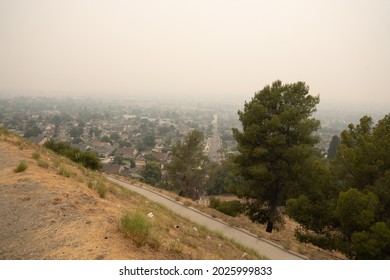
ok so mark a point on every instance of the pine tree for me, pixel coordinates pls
(333, 147)
(276, 139)
(350, 211)
(186, 172)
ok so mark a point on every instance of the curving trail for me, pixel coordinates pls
(262, 246)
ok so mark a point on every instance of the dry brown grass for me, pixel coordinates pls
(44, 215)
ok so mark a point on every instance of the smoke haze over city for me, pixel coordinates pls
(211, 50)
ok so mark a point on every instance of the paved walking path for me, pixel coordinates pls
(263, 247)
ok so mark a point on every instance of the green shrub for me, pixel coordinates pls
(43, 163)
(87, 159)
(231, 208)
(64, 172)
(4, 131)
(36, 155)
(137, 227)
(101, 189)
(21, 167)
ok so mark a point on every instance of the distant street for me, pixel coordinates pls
(262, 246)
(215, 142)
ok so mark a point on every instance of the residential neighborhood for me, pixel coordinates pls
(125, 135)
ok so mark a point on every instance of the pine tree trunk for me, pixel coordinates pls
(270, 226)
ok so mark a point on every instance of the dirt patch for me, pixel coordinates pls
(44, 215)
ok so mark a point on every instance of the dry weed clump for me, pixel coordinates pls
(101, 189)
(99, 186)
(137, 227)
(43, 163)
(36, 155)
(64, 172)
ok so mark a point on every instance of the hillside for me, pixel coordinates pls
(56, 209)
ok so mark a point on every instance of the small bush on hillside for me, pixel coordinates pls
(231, 208)
(21, 167)
(101, 189)
(4, 131)
(64, 172)
(36, 155)
(87, 159)
(137, 227)
(43, 163)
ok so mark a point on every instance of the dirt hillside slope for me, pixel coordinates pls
(52, 212)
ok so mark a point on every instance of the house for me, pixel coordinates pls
(132, 173)
(103, 149)
(110, 168)
(140, 161)
(40, 139)
(126, 152)
(160, 157)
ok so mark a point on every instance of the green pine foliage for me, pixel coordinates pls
(151, 173)
(333, 147)
(187, 171)
(348, 209)
(231, 208)
(221, 179)
(277, 138)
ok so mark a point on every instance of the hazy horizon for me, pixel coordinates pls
(214, 50)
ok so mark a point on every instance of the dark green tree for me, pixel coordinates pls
(32, 130)
(149, 140)
(132, 163)
(333, 147)
(118, 160)
(89, 160)
(151, 173)
(106, 139)
(221, 179)
(76, 131)
(277, 138)
(353, 207)
(95, 132)
(187, 171)
(115, 137)
(124, 144)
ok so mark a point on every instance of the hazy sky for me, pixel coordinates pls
(213, 49)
